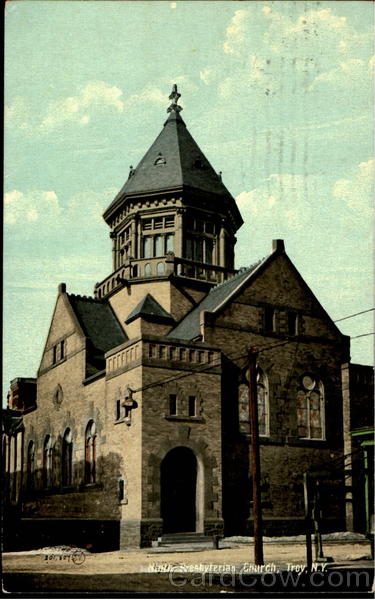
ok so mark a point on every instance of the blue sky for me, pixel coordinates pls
(277, 94)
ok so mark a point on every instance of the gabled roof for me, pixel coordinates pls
(98, 321)
(149, 309)
(189, 327)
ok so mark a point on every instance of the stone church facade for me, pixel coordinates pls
(137, 423)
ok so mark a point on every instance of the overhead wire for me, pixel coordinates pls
(208, 366)
(362, 312)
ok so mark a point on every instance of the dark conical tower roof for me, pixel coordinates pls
(174, 160)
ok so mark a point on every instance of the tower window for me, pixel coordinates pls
(147, 247)
(169, 242)
(158, 245)
(147, 224)
(147, 270)
(208, 251)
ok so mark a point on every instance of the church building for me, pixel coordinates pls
(137, 424)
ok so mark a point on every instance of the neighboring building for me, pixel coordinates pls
(141, 423)
(358, 409)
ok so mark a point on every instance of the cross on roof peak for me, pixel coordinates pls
(174, 96)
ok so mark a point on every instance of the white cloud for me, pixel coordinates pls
(315, 48)
(321, 32)
(149, 94)
(351, 73)
(74, 109)
(18, 114)
(235, 32)
(32, 206)
(279, 204)
(207, 75)
(358, 192)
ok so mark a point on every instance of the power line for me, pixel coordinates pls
(362, 335)
(208, 366)
(204, 368)
(355, 315)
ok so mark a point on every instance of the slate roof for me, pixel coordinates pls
(188, 328)
(98, 321)
(181, 163)
(149, 308)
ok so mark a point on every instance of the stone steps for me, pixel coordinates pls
(188, 538)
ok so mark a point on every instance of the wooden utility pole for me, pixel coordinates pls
(307, 500)
(255, 459)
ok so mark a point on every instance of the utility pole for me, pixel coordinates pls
(255, 458)
(307, 500)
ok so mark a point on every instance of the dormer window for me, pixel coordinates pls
(198, 164)
(160, 160)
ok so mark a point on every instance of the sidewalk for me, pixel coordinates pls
(285, 553)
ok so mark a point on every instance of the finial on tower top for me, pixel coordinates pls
(174, 96)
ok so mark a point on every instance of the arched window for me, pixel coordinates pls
(263, 403)
(47, 462)
(30, 473)
(310, 408)
(66, 458)
(160, 269)
(90, 453)
(147, 270)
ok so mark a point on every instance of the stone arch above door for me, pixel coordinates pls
(206, 464)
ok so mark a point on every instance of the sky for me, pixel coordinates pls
(278, 95)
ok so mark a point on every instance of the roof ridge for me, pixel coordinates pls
(84, 297)
(240, 272)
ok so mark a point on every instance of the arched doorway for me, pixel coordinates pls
(178, 482)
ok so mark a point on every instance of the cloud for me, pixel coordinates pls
(351, 73)
(320, 33)
(235, 32)
(357, 192)
(279, 204)
(208, 75)
(74, 109)
(43, 215)
(30, 207)
(18, 114)
(273, 50)
(149, 94)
